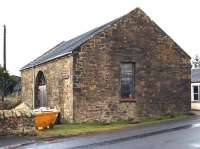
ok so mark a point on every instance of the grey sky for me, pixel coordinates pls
(35, 26)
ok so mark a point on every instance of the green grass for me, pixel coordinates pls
(148, 121)
(77, 129)
(87, 128)
(10, 102)
(12, 97)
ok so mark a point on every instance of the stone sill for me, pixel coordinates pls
(128, 100)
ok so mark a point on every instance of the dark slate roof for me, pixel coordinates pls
(195, 75)
(66, 47)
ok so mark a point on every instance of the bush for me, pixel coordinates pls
(8, 83)
(9, 104)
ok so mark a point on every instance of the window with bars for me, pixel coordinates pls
(127, 79)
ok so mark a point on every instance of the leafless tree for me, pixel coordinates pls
(196, 61)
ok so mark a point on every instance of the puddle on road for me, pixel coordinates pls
(195, 145)
(195, 125)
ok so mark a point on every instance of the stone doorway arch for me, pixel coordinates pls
(40, 91)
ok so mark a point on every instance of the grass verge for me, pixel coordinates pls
(87, 128)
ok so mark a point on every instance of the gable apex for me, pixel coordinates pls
(66, 47)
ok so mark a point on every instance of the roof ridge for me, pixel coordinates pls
(42, 55)
(70, 45)
(52, 49)
(66, 47)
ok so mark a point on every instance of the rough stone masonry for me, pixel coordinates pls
(13, 122)
(85, 83)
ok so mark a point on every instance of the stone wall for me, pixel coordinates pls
(58, 76)
(27, 85)
(14, 122)
(86, 86)
(162, 81)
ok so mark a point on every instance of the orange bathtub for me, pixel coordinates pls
(45, 119)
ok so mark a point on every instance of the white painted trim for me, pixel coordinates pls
(192, 91)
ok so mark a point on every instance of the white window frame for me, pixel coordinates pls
(192, 92)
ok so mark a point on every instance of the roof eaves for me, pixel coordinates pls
(50, 59)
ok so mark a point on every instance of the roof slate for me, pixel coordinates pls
(195, 75)
(66, 47)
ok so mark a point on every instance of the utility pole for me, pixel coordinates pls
(4, 47)
(4, 60)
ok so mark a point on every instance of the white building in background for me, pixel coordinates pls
(195, 85)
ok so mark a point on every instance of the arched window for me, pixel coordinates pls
(40, 91)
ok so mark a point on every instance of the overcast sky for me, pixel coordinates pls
(35, 26)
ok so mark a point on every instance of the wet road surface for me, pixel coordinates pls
(184, 134)
(186, 138)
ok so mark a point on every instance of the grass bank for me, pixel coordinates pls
(87, 128)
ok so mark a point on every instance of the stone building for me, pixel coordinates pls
(125, 69)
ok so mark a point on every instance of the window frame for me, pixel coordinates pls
(196, 93)
(132, 97)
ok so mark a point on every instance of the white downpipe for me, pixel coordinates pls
(33, 87)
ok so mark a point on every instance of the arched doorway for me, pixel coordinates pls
(40, 91)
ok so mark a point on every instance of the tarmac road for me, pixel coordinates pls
(181, 134)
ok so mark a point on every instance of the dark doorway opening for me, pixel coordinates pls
(40, 91)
